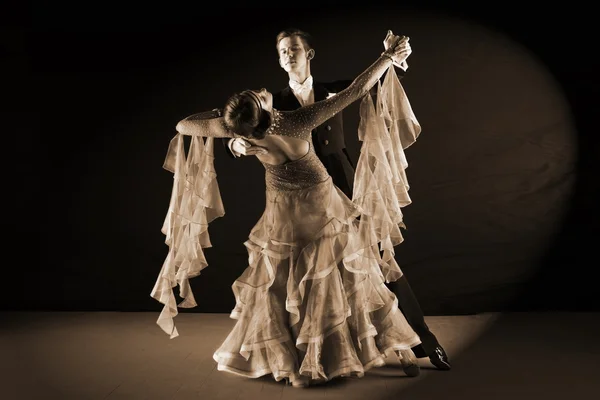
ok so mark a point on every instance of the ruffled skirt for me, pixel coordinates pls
(313, 299)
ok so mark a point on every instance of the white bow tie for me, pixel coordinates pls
(302, 87)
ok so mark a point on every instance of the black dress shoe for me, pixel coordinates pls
(440, 359)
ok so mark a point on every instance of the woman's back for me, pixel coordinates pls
(291, 162)
(281, 149)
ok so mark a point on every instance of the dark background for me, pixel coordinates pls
(502, 179)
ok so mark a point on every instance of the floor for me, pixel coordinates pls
(112, 355)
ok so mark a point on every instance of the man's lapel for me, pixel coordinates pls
(289, 100)
(320, 91)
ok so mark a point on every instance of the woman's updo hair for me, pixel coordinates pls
(245, 116)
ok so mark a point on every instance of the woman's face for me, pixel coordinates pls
(265, 97)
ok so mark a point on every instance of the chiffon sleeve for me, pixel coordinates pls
(381, 184)
(195, 202)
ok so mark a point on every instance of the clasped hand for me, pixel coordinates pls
(400, 48)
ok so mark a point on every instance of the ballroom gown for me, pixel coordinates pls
(312, 300)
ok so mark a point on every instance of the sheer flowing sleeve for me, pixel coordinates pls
(317, 113)
(381, 184)
(195, 202)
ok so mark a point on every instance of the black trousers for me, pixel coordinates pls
(409, 305)
(341, 169)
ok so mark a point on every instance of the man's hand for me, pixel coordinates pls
(241, 147)
(390, 40)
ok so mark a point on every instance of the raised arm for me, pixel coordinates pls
(206, 124)
(315, 114)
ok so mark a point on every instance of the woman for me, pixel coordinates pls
(312, 304)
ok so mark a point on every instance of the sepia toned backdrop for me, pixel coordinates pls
(501, 177)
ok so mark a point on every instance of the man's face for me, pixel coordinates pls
(292, 54)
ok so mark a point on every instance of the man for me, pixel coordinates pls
(295, 53)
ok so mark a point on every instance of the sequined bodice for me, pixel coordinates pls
(297, 174)
(294, 175)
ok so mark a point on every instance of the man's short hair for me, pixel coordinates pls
(304, 36)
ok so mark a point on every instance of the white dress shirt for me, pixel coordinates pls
(304, 91)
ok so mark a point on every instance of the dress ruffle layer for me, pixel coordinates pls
(313, 300)
(195, 202)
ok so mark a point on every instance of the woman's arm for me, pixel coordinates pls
(206, 124)
(317, 113)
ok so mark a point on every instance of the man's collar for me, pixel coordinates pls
(300, 87)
